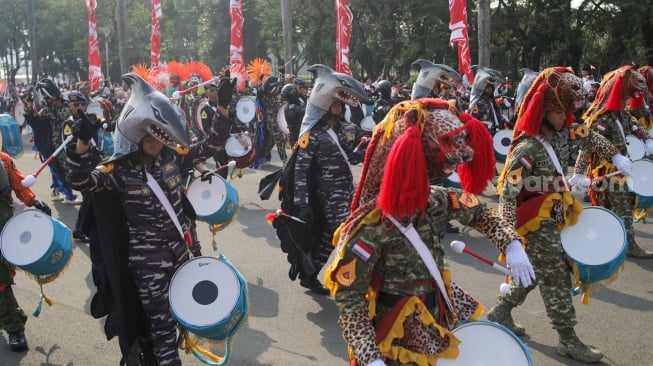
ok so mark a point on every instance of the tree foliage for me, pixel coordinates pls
(387, 36)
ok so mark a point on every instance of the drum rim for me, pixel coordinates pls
(232, 138)
(48, 230)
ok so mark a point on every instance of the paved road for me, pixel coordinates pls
(290, 327)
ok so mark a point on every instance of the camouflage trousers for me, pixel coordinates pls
(153, 285)
(278, 138)
(553, 273)
(12, 317)
(336, 211)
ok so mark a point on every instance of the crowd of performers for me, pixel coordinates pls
(397, 301)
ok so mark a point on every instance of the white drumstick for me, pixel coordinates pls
(459, 247)
(31, 179)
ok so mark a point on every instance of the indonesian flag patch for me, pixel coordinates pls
(601, 127)
(526, 162)
(362, 250)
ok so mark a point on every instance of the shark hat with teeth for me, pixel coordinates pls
(329, 87)
(430, 75)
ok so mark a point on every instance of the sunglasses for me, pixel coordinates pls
(78, 104)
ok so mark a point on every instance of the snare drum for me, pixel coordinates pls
(281, 120)
(488, 343)
(636, 148)
(12, 142)
(239, 147)
(246, 109)
(36, 243)
(215, 202)
(368, 124)
(19, 113)
(208, 297)
(642, 183)
(501, 141)
(597, 244)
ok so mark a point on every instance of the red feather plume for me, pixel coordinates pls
(476, 174)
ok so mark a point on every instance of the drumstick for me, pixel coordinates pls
(504, 288)
(281, 213)
(363, 141)
(180, 93)
(459, 247)
(31, 179)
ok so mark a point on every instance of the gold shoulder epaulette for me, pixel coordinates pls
(106, 168)
(303, 141)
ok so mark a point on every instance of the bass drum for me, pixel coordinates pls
(197, 114)
(281, 120)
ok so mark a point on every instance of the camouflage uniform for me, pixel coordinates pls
(321, 157)
(271, 105)
(487, 111)
(294, 112)
(614, 126)
(220, 157)
(378, 257)
(156, 248)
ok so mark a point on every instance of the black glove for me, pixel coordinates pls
(226, 88)
(207, 176)
(305, 214)
(85, 128)
(42, 206)
(357, 157)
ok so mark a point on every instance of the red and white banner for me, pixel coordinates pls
(155, 39)
(94, 70)
(344, 19)
(458, 28)
(236, 56)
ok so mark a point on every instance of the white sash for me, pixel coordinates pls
(554, 159)
(413, 237)
(156, 188)
(333, 135)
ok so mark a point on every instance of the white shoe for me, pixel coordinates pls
(54, 194)
(76, 201)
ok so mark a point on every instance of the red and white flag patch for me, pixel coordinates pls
(362, 250)
(526, 162)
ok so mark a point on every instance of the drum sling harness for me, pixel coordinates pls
(156, 188)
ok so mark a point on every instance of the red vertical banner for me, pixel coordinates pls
(236, 56)
(94, 70)
(155, 39)
(344, 19)
(458, 28)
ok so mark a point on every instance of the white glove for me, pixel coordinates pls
(579, 180)
(378, 362)
(623, 164)
(649, 147)
(516, 259)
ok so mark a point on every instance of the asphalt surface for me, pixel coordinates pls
(291, 327)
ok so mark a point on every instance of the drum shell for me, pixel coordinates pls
(501, 142)
(240, 148)
(204, 268)
(581, 245)
(12, 142)
(488, 343)
(201, 192)
(52, 258)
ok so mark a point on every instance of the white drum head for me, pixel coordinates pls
(204, 291)
(454, 177)
(19, 113)
(238, 145)
(502, 141)
(597, 238)
(281, 120)
(26, 237)
(95, 108)
(246, 109)
(636, 148)
(368, 124)
(487, 344)
(642, 182)
(205, 196)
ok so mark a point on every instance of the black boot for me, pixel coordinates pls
(17, 341)
(452, 229)
(313, 284)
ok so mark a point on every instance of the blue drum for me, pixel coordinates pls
(209, 298)
(215, 202)
(36, 243)
(597, 244)
(488, 343)
(453, 181)
(640, 183)
(12, 142)
(501, 141)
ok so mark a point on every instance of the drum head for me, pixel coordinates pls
(368, 124)
(238, 145)
(281, 120)
(642, 182)
(598, 237)
(204, 292)
(206, 196)
(19, 113)
(26, 237)
(636, 148)
(502, 141)
(95, 108)
(484, 343)
(246, 109)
